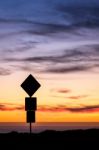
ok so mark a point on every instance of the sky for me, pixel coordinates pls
(57, 41)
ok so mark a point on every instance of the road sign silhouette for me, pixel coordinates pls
(30, 104)
(30, 117)
(30, 85)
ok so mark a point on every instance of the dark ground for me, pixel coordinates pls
(77, 139)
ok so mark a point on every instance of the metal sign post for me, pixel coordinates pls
(30, 85)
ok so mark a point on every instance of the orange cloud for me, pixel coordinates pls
(10, 107)
(77, 97)
(57, 108)
(63, 108)
(63, 91)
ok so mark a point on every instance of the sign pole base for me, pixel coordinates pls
(30, 128)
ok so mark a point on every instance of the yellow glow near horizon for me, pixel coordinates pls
(48, 94)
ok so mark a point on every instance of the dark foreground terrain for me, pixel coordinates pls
(77, 139)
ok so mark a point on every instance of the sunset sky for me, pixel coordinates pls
(57, 41)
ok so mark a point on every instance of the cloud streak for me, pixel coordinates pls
(68, 69)
(41, 42)
(63, 108)
(77, 97)
(62, 91)
(11, 107)
(5, 72)
(71, 61)
(52, 109)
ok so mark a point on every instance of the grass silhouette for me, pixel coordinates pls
(73, 139)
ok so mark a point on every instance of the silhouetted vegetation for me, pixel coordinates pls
(76, 139)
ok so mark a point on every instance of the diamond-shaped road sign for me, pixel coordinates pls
(30, 85)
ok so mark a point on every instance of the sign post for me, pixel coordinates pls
(30, 85)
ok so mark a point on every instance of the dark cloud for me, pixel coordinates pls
(52, 20)
(83, 19)
(83, 58)
(10, 107)
(48, 108)
(68, 69)
(94, 108)
(71, 55)
(63, 108)
(36, 28)
(5, 72)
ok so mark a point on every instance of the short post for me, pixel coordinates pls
(30, 127)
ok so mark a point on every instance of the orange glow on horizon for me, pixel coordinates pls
(50, 94)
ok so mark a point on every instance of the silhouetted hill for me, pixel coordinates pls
(76, 139)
